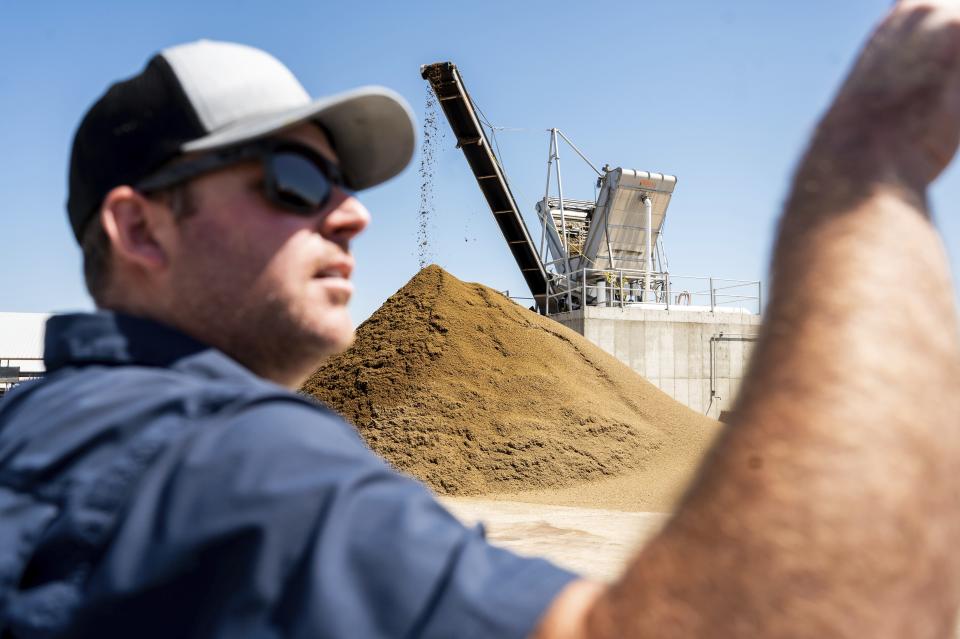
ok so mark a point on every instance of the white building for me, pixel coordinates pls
(21, 347)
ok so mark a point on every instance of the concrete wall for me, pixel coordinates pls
(697, 357)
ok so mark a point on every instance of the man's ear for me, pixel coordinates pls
(131, 221)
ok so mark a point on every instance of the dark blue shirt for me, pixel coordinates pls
(150, 486)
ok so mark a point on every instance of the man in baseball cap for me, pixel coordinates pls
(161, 481)
(195, 115)
(183, 489)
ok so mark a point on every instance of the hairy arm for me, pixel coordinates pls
(829, 507)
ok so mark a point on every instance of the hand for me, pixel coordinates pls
(898, 112)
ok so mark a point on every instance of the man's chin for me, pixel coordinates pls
(329, 341)
(305, 355)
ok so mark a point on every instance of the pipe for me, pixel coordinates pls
(606, 228)
(648, 204)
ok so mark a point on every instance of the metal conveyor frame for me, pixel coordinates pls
(447, 85)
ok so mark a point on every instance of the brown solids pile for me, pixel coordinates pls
(462, 388)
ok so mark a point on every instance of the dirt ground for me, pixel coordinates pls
(592, 542)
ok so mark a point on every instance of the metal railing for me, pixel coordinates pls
(12, 373)
(631, 288)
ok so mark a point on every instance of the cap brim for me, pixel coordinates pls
(372, 130)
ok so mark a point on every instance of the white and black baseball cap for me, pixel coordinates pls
(209, 95)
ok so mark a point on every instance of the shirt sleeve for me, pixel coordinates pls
(294, 527)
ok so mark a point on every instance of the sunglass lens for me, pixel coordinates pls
(299, 183)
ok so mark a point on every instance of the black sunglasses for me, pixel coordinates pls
(296, 177)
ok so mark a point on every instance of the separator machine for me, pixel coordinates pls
(607, 251)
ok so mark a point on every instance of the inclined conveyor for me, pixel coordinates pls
(452, 95)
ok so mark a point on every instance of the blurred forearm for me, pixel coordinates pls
(829, 506)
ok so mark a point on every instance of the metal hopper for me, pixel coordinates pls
(627, 220)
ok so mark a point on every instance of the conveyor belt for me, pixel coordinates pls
(455, 101)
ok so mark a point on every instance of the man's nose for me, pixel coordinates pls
(345, 219)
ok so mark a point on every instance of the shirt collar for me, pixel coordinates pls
(113, 338)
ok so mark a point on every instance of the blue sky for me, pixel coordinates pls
(720, 94)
